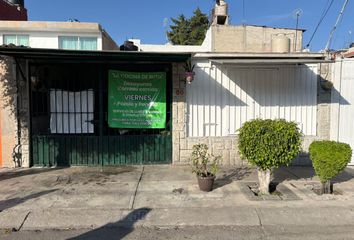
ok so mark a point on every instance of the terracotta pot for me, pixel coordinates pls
(189, 77)
(206, 183)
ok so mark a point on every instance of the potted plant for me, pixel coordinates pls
(205, 166)
(329, 158)
(268, 144)
(189, 71)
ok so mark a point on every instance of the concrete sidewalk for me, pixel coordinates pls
(164, 197)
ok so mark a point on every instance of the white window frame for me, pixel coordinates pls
(78, 42)
(17, 36)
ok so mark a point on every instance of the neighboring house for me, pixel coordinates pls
(56, 35)
(235, 39)
(224, 38)
(247, 72)
(350, 52)
(13, 10)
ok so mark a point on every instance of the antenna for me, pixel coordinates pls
(336, 25)
(243, 12)
(297, 13)
(165, 24)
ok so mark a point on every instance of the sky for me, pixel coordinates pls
(144, 19)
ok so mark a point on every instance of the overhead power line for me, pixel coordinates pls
(324, 14)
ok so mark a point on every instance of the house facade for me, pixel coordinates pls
(230, 89)
(56, 35)
(69, 107)
(60, 107)
(64, 106)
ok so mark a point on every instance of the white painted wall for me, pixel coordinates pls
(170, 48)
(222, 98)
(342, 106)
(50, 39)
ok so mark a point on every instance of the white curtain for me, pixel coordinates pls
(10, 39)
(22, 40)
(71, 112)
(88, 43)
(70, 43)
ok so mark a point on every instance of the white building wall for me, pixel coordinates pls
(50, 39)
(342, 106)
(222, 98)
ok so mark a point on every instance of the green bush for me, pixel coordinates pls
(269, 143)
(329, 158)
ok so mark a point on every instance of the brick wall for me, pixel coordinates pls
(228, 38)
(9, 12)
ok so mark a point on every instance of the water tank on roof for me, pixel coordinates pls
(280, 44)
(220, 13)
(221, 9)
(17, 2)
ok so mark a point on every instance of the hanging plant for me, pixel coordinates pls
(189, 72)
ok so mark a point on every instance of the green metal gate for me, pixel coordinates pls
(56, 138)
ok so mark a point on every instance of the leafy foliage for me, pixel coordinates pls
(189, 31)
(269, 143)
(203, 163)
(329, 158)
(188, 66)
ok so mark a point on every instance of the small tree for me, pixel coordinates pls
(204, 164)
(269, 144)
(191, 31)
(329, 158)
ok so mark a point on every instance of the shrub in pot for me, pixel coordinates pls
(269, 144)
(205, 166)
(329, 158)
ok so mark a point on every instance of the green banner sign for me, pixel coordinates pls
(137, 100)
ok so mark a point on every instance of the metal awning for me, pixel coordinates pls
(262, 58)
(92, 56)
(268, 61)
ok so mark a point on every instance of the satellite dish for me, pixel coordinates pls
(297, 13)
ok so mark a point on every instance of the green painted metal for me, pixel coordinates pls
(92, 56)
(104, 146)
(71, 150)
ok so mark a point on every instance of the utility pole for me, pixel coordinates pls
(336, 25)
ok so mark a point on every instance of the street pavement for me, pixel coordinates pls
(164, 202)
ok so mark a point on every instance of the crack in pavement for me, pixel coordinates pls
(261, 224)
(132, 202)
(23, 222)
